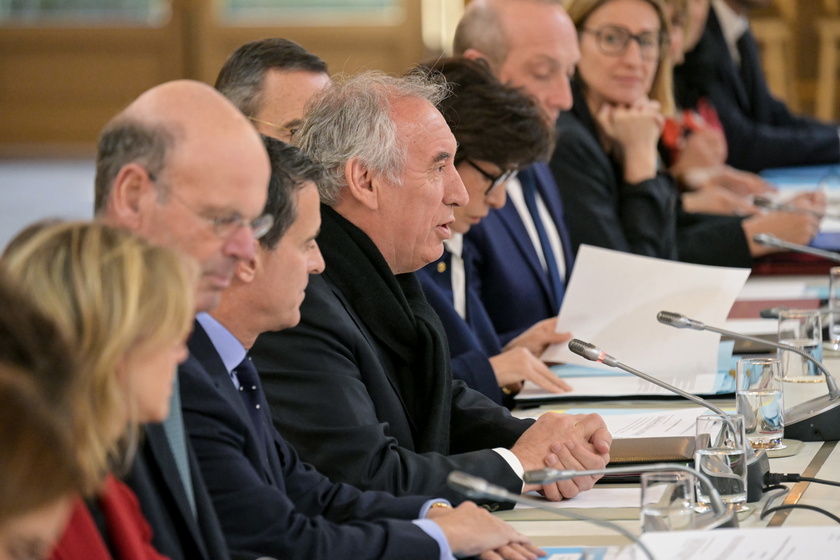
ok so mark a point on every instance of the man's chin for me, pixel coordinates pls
(207, 299)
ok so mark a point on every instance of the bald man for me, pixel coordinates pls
(184, 168)
(523, 254)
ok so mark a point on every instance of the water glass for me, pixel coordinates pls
(720, 453)
(803, 329)
(833, 313)
(667, 501)
(759, 400)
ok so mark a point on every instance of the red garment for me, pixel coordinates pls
(128, 529)
(684, 123)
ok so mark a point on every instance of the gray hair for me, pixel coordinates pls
(352, 119)
(125, 141)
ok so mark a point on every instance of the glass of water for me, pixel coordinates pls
(801, 328)
(667, 501)
(833, 314)
(759, 400)
(720, 453)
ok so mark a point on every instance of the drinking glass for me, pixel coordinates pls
(803, 329)
(759, 400)
(833, 313)
(667, 501)
(720, 453)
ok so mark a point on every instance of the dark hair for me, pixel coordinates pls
(290, 170)
(125, 141)
(32, 342)
(241, 77)
(37, 377)
(491, 121)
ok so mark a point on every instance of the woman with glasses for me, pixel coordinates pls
(616, 193)
(606, 161)
(126, 307)
(499, 130)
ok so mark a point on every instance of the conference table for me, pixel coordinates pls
(813, 459)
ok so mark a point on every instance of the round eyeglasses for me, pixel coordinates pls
(226, 225)
(613, 40)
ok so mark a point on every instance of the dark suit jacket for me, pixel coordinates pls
(268, 500)
(471, 341)
(644, 218)
(760, 130)
(334, 398)
(155, 480)
(508, 276)
(128, 531)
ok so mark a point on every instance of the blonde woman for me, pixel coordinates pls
(126, 307)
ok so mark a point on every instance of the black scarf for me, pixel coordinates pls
(395, 311)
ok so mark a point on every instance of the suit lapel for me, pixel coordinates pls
(201, 347)
(551, 196)
(512, 221)
(162, 453)
(731, 72)
(372, 344)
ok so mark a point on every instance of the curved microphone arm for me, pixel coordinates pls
(476, 487)
(593, 353)
(680, 321)
(725, 515)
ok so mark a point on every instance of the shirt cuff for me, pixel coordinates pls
(433, 530)
(428, 505)
(513, 462)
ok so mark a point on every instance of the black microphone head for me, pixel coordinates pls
(580, 347)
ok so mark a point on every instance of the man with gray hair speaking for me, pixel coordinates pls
(362, 386)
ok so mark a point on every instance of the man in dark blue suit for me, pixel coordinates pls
(268, 500)
(498, 129)
(760, 130)
(522, 254)
(184, 169)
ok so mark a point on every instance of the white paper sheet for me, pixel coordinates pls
(762, 288)
(618, 386)
(776, 543)
(612, 300)
(679, 422)
(595, 498)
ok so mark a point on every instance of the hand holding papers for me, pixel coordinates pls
(612, 300)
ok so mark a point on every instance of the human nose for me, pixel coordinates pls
(496, 197)
(456, 192)
(560, 96)
(316, 261)
(242, 244)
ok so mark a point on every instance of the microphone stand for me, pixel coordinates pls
(726, 514)
(817, 419)
(772, 241)
(477, 488)
(758, 464)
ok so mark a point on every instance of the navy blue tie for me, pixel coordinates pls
(529, 189)
(251, 392)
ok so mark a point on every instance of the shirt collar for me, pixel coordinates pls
(732, 24)
(455, 244)
(230, 350)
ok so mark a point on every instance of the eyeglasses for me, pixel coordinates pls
(495, 181)
(224, 226)
(614, 39)
(288, 132)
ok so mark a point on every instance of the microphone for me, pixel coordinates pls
(727, 515)
(769, 240)
(478, 488)
(814, 420)
(758, 464)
